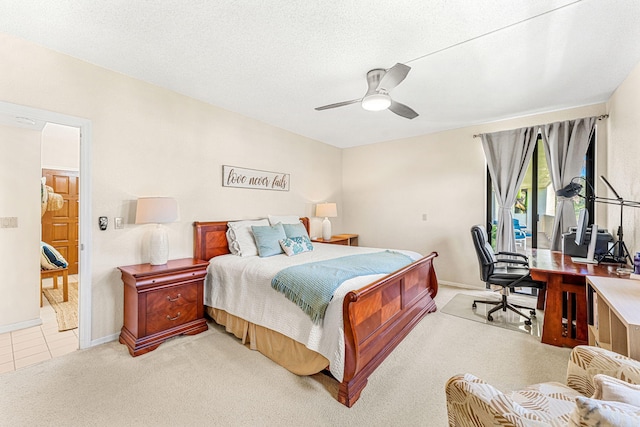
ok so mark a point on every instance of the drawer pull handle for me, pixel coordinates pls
(173, 318)
(173, 299)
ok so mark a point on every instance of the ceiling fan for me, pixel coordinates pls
(377, 98)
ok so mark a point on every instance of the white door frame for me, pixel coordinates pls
(84, 227)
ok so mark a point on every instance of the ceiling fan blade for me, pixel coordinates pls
(402, 110)
(338, 104)
(393, 77)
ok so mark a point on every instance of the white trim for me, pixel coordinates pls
(106, 339)
(20, 325)
(84, 238)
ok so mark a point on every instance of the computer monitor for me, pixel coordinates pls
(581, 237)
(583, 223)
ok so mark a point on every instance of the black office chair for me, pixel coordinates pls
(506, 272)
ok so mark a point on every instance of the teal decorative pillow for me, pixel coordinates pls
(295, 230)
(296, 245)
(50, 258)
(268, 239)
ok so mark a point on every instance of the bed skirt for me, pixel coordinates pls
(286, 352)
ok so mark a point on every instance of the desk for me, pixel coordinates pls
(565, 313)
(614, 320)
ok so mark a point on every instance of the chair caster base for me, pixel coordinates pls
(527, 322)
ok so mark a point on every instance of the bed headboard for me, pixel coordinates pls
(210, 238)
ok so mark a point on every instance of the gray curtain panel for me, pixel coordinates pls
(565, 145)
(508, 154)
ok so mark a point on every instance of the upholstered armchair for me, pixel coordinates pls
(599, 390)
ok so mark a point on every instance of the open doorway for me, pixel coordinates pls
(22, 116)
(60, 165)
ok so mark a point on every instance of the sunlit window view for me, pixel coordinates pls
(535, 208)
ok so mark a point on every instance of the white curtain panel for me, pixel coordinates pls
(565, 145)
(508, 154)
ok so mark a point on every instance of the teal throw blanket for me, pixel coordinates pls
(311, 286)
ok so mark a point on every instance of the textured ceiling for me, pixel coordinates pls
(275, 60)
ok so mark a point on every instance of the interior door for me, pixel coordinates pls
(60, 228)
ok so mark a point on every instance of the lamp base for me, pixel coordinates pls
(326, 229)
(159, 246)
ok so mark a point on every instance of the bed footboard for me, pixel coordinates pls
(379, 316)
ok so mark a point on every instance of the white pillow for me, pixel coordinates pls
(285, 219)
(600, 413)
(240, 237)
(614, 389)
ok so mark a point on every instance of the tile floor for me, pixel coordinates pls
(36, 344)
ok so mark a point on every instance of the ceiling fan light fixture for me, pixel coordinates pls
(376, 102)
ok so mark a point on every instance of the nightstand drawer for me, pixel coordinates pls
(170, 317)
(173, 297)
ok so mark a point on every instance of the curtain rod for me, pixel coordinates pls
(600, 117)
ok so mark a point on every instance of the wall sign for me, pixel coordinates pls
(233, 176)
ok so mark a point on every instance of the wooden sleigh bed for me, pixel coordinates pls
(376, 317)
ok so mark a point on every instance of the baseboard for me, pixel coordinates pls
(105, 339)
(459, 285)
(20, 325)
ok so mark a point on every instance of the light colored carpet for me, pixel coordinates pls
(461, 305)
(66, 311)
(211, 379)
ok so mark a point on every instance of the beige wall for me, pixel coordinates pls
(20, 247)
(624, 157)
(150, 141)
(60, 147)
(388, 187)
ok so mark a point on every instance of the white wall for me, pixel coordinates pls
(150, 141)
(20, 247)
(387, 188)
(624, 157)
(60, 147)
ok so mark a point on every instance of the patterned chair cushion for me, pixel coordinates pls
(471, 402)
(587, 361)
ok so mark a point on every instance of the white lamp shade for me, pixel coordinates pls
(156, 210)
(327, 210)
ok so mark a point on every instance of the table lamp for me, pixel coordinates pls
(327, 210)
(157, 210)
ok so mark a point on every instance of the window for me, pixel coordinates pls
(534, 211)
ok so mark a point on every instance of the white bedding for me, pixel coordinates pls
(242, 287)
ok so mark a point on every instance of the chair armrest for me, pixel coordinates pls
(473, 402)
(587, 361)
(516, 254)
(512, 261)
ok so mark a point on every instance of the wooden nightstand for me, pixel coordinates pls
(340, 239)
(162, 301)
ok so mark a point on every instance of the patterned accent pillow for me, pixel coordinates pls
(593, 412)
(50, 258)
(296, 245)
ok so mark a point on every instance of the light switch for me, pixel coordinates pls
(118, 222)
